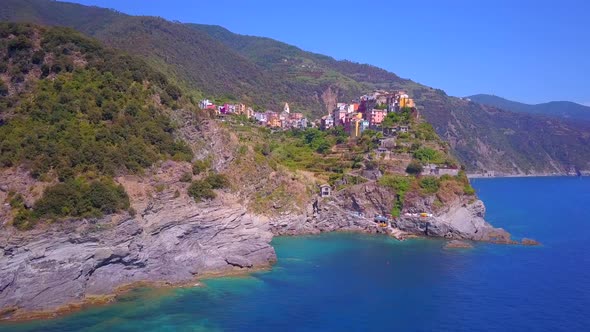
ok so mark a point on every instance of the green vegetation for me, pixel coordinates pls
(217, 181)
(88, 119)
(401, 185)
(202, 190)
(186, 177)
(345, 180)
(425, 131)
(414, 168)
(429, 156)
(304, 149)
(95, 116)
(265, 72)
(429, 184)
(200, 166)
(467, 188)
(77, 198)
(403, 117)
(369, 140)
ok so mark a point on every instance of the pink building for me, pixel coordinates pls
(339, 117)
(376, 117)
(296, 116)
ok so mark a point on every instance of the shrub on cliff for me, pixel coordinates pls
(428, 155)
(201, 190)
(468, 190)
(414, 168)
(186, 177)
(217, 181)
(201, 166)
(429, 184)
(80, 198)
(401, 185)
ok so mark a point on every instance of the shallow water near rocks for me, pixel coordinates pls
(360, 282)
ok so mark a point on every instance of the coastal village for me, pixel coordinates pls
(369, 112)
(401, 143)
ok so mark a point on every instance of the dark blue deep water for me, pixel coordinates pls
(345, 282)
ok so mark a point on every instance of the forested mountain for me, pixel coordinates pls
(75, 115)
(265, 73)
(556, 109)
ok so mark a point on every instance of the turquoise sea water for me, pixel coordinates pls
(346, 282)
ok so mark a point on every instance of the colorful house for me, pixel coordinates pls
(406, 101)
(376, 117)
(326, 122)
(272, 119)
(240, 109)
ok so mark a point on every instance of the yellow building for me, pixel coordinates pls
(240, 109)
(274, 122)
(406, 102)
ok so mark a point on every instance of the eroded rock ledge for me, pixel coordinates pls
(45, 269)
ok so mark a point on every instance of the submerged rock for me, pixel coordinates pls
(457, 244)
(529, 242)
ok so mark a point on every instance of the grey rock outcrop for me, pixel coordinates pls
(461, 221)
(46, 269)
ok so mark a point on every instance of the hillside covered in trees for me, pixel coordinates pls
(75, 115)
(214, 62)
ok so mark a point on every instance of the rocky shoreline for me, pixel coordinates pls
(58, 268)
(533, 175)
(173, 241)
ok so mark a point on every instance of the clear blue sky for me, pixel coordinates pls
(529, 51)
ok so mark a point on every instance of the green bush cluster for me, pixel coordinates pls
(425, 131)
(203, 189)
(403, 117)
(201, 166)
(186, 177)
(317, 140)
(428, 155)
(414, 168)
(401, 185)
(429, 184)
(77, 198)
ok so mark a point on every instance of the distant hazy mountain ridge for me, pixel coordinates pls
(559, 109)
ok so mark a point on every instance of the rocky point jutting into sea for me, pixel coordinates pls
(173, 240)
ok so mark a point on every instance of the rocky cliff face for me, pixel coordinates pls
(461, 217)
(462, 221)
(174, 240)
